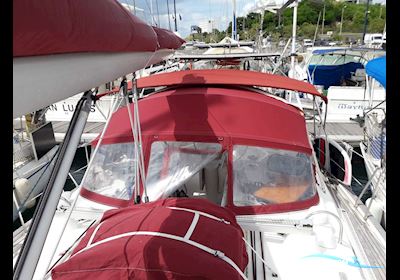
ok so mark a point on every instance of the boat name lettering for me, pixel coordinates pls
(69, 108)
(347, 106)
(53, 107)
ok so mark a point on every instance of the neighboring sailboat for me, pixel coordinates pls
(340, 73)
(374, 147)
(228, 46)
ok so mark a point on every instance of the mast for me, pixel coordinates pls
(234, 21)
(169, 20)
(316, 29)
(294, 28)
(365, 22)
(323, 21)
(151, 12)
(176, 27)
(293, 53)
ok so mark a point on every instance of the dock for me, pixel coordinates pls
(90, 132)
(350, 133)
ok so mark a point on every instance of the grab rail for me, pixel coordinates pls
(335, 216)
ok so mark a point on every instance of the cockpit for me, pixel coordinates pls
(257, 176)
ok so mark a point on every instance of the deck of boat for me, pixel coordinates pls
(90, 132)
(349, 132)
(370, 236)
(18, 239)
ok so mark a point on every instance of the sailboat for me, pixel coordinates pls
(373, 148)
(340, 72)
(208, 176)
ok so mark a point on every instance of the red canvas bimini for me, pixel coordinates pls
(206, 118)
(225, 77)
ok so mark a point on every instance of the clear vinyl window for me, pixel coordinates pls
(112, 172)
(173, 163)
(265, 176)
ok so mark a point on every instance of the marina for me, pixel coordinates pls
(153, 152)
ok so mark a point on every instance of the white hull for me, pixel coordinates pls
(348, 102)
(43, 80)
(63, 110)
(344, 102)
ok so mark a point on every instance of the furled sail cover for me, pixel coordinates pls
(175, 238)
(55, 27)
(64, 47)
(167, 39)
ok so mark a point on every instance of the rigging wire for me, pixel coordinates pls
(70, 247)
(113, 109)
(151, 12)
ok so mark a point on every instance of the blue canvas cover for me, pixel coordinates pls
(378, 146)
(332, 75)
(376, 68)
(324, 51)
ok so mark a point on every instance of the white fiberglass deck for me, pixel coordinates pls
(350, 132)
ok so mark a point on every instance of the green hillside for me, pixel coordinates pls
(307, 18)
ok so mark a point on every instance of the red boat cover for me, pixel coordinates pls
(237, 114)
(167, 39)
(157, 257)
(225, 77)
(54, 27)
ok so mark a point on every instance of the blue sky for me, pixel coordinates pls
(192, 12)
